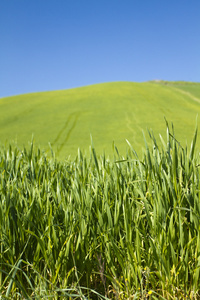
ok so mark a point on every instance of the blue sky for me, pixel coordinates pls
(61, 44)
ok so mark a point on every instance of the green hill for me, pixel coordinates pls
(109, 112)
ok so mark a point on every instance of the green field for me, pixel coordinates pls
(94, 229)
(109, 112)
(88, 225)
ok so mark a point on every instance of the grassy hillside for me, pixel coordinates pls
(109, 112)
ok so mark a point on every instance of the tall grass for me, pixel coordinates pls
(94, 228)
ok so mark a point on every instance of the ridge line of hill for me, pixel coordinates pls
(157, 81)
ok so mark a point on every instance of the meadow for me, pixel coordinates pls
(97, 228)
(112, 222)
(109, 112)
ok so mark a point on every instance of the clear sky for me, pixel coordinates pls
(60, 44)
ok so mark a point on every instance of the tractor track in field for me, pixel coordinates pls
(187, 94)
(72, 117)
(130, 128)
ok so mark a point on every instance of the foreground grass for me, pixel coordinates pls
(94, 228)
(109, 112)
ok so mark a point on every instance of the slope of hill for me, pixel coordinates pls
(109, 112)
